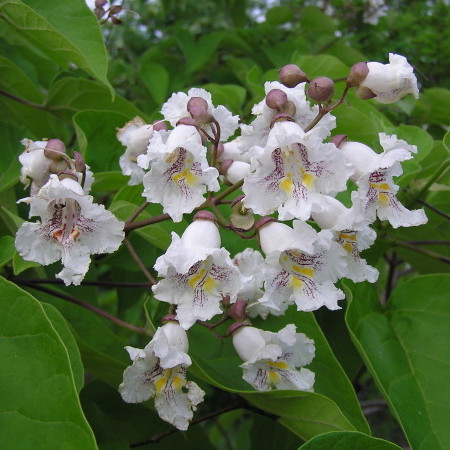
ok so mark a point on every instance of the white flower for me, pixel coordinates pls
(72, 228)
(271, 358)
(390, 82)
(249, 263)
(135, 136)
(198, 274)
(350, 230)
(159, 371)
(179, 173)
(377, 190)
(237, 171)
(291, 172)
(302, 272)
(303, 114)
(176, 108)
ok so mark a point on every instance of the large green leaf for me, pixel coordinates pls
(406, 348)
(96, 134)
(39, 401)
(10, 149)
(346, 440)
(66, 31)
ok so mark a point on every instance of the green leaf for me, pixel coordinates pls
(345, 440)
(278, 15)
(69, 95)
(321, 65)
(156, 79)
(65, 31)
(96, 135)
(109, 181)
(20, 265)
(230, 95)
(10, 150)
(7, 249)
(39, 397)
(406, 350)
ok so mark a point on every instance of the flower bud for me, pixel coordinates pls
(176, 336)
(100, 3)
(291, 75)
(276, 99)
(202, 232)
(358, 73)
(242, 218)
(198, 109)
(67, 175)
(115, 20)
(275, 236)
(238, 310)
(236, 171)
(359, 155)
(159, 125)
(54, 149)
(80, 166)
(115, 9)
(321, 89)
(187, 121)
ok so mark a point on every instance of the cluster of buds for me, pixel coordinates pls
(290, 168)
(111, 13)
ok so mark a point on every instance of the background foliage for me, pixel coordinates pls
(381, 364)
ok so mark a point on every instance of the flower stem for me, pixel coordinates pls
(123, 284)
(434, 209)
(92, 308)
(145, 222)
(139, 262)
(423, 251)
(137, 212)
(228, 191)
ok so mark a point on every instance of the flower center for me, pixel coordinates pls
(64, 222)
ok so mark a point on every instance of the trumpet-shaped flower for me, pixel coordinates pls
(198, 274)
(292, 172)
(270, 359)
(176, 108)
(390, 82)
(179, 173)
(377, 190)
(159, 371)
(301, 271)
(72, 228)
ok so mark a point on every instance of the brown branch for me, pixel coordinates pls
(137, 212)
(434, 209)
(23, 100)
(139, 262)
(145, 222)
(227, 192)
(423, 251)
(123, 284)
(88, 306)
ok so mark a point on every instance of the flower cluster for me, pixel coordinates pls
(289, 166)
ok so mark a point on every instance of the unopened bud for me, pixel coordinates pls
(339, 139)
(225, 166)
(291, 75)
(55, 149)
(364, 93)
(159, 125)
(358, 73)
(321, 89)
(80, 166)
(238, 310)
(100, 3)
(289, 108)
(198, 109)
(234, 327)
(276, 99)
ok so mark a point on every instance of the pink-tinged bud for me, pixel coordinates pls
(321, 89)
(205, 215)
(198, 109)
(234, 327)
(159, 125)
(225, 166)
(55, 149)
(187, 121)
(358, 73)
(291, 75)
(263, 221)
(238, 310)
(364, 93)
(220, 149)
(276, 99)
(339, 139)
(80, 166)
(100, 3)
